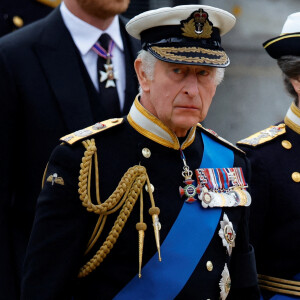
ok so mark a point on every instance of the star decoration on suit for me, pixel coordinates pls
(227, 234)
(109, 75)
(225, 283)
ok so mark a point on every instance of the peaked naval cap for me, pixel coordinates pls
(288, 43)
(185, 34)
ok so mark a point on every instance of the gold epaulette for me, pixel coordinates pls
(213, 133)
(264, 136)
(91, 130)
(51, 3)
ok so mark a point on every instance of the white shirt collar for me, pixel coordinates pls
(292, 118)
(151, 127)
(86, 35)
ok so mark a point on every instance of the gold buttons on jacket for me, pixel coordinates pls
(18, 21)
(209, 266)
(296, 176)
(146, 152)
(151, 186)
(286, 144)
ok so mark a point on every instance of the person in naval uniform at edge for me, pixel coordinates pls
(275, 185)
(105, 185)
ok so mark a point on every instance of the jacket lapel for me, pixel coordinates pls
(131, 48)
(60, 62)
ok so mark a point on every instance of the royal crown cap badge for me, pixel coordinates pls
(198, 25)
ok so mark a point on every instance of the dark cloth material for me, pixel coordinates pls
(68, 226)
(28, 10)
(275, 210)
(43, 97)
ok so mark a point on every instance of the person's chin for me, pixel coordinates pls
(187, 123)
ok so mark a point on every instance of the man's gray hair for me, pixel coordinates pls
(290, 67)
(149, 61)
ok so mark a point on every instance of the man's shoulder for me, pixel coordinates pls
(134, 43)
(91, 131)
(220, 139)
(29, 34)
(264, 137)
(72, 147)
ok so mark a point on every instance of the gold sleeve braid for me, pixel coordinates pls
(125, 195)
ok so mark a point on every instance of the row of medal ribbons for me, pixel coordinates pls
(222, 187)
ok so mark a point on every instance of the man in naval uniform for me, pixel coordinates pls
(275, 184)
(151, 206)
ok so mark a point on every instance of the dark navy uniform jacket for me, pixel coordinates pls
(46, 93)
(15, 14)
(275, 187)
(63, 226)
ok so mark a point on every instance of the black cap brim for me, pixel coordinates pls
(286, 44)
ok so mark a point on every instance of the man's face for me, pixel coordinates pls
(103, 9)
(180, 95)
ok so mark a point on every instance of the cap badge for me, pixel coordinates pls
(197, 26)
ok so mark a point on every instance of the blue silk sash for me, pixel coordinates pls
(185, 243)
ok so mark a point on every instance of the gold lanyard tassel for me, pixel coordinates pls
(125, 196)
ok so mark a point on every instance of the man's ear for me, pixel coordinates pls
(296, 84)
(142, 77)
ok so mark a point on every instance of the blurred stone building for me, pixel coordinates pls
(252, 96)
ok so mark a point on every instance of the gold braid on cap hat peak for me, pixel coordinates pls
(169, 53)
(125, 195)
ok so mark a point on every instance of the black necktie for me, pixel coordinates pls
(108, 94)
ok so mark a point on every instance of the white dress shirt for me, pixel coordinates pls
(85, 36)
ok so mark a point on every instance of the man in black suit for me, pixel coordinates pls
(49, 87)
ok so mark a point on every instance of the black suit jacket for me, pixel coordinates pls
(43, 97)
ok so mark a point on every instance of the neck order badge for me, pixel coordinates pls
(109, 76)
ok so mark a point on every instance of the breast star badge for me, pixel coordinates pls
(227, 234)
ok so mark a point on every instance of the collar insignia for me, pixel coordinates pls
(197, 25)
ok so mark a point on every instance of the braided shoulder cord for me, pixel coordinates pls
(125, 195)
